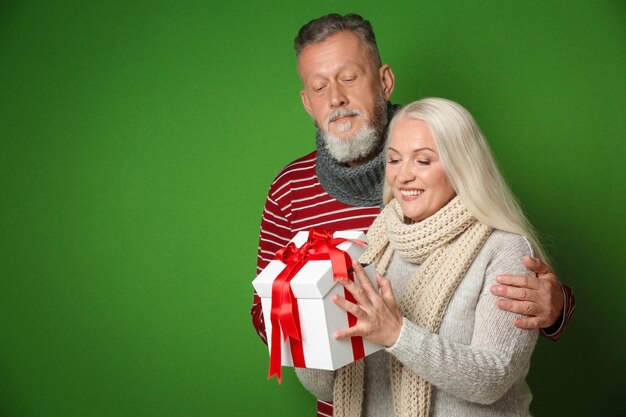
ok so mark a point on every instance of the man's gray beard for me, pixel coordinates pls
(360, 145)
(363, 143)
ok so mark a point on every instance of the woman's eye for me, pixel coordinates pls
(423, 162)
(392, 161)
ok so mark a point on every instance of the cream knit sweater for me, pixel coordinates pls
(478, 361)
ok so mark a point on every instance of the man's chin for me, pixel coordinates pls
(350, 149)
(346, 136)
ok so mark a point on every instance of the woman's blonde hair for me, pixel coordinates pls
(469, 165)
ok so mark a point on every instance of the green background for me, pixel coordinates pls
(138, 140)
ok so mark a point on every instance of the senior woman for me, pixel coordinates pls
(449, 227)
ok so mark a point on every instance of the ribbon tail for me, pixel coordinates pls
(358, 348)
(275, 354)
(288, 313)
(295, 345)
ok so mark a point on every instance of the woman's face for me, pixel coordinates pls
(414, 170)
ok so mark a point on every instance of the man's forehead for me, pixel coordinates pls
(338, 51)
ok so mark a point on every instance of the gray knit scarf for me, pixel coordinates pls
(360, 186)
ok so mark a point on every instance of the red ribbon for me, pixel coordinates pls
(284, 315)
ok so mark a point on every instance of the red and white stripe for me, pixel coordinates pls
(296, 201)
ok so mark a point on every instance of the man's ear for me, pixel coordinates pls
(387, 80)
(306, 103)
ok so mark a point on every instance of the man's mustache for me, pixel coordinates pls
(339, 113)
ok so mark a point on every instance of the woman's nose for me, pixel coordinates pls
(405, 172)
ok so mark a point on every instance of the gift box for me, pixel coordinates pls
(296, 291)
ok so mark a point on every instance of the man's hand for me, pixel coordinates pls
(539, 298)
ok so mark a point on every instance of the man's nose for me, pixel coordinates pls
(338, 98)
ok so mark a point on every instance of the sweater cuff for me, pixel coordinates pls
(556, 330)
(411, 335)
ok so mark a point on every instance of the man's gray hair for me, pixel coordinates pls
(320, 29)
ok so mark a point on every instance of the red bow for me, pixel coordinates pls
(284, 315)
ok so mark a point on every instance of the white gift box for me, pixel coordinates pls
(313, 286)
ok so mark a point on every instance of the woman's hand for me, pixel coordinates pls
(379, 319)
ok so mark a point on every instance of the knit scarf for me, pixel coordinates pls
(444, 244)
(355, 186)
